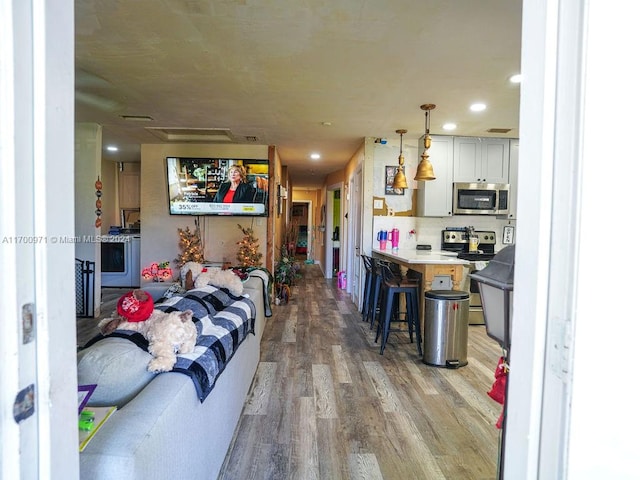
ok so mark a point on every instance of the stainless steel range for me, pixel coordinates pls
(456, 239)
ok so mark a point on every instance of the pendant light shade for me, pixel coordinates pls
(425, 168)
(400, 180)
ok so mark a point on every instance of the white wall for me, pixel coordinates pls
(87, 169)
(159, 230)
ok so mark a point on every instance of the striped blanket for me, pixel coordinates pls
(223, 322)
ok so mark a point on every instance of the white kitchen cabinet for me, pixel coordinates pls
(435, 196)
(514, 152)
(483, 160)
(129, 189)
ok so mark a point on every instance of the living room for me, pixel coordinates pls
(589, 445)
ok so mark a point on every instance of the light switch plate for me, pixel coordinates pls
(377, 204)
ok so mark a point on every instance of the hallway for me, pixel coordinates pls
(325, 404)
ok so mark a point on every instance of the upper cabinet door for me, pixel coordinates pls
(467, 166)
(482, 160)
(495, 160)
(129, 189)
(435, 196)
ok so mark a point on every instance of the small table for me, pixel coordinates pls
(428, 263)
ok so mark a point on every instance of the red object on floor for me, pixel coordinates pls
(498, 390)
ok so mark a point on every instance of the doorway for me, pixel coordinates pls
(333, 234)
(301, 220)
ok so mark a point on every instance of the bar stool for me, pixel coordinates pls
(373, 306)
(392, 287)
(368, 280)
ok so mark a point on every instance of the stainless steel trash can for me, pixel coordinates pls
(446, 328)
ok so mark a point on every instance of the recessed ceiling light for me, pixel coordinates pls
(449, 126)
(477, 107)
(315, 156)
(517, 78)
(112, 148)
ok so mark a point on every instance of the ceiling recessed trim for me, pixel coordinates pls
(175, 134)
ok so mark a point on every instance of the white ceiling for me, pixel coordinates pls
(277, 69)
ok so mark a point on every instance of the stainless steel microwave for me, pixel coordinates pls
(480, 198)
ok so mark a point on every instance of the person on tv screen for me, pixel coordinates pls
(236, 190)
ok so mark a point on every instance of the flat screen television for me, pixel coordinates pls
(194, 183)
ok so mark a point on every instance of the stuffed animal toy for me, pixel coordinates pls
(220, 278)
(192, 270)
(194, 275)
(167, 333)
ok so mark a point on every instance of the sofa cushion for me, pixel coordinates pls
(119, 369)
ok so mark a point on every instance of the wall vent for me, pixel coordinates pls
(137, 118)
(499, 130)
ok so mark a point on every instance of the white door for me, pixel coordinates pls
(329, 229)
(38, 392)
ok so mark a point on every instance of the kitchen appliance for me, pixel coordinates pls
(457, 239)
(120, 256)
(480, 198)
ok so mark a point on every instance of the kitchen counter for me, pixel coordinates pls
(428, 263)
(411, 256)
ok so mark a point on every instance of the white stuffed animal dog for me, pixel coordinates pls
(167, 333)
(220, 278)
(211, 276)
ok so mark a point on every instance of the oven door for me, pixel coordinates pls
(117, 268)
(476, 313)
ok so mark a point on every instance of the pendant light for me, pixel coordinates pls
(400, 180)
(425, 168)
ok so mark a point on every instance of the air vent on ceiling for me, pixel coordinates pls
(137, 118)
(251, 138)
(170, 134)
(499, 130)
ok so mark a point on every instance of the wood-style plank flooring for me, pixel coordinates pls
(325, 404)
(87, 328)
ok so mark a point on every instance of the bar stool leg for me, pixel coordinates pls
(375, 299)
(385, 318)
(415, 320)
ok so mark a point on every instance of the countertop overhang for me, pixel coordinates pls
(422, 256)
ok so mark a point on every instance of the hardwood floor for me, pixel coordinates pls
(325, 404)
(87, 328)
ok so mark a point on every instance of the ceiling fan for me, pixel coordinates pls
(90, 89)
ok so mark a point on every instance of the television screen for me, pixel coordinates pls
(202, 186)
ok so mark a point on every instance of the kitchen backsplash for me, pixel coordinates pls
(428, 230)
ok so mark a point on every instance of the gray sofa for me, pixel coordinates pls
(161, 430)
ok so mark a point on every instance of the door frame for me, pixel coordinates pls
(329, 227)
